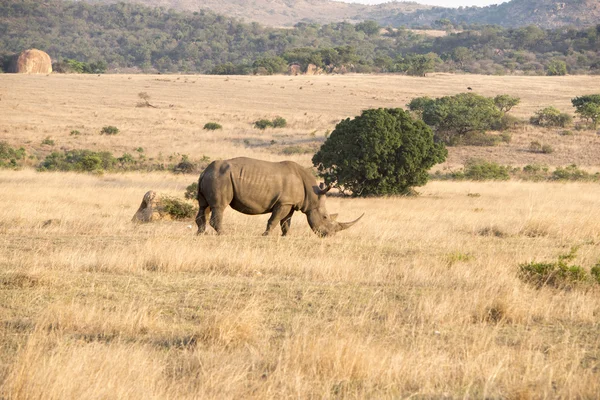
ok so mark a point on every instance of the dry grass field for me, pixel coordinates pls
(422, 298)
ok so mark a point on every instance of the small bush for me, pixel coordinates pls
(557, 274)
(535, 147)
(279, 122)
(566, 133)
(185, 166)
(290, 150)
(75, 132)
(191, 192)
(109, 130)
(48, 142)
(212, 126)
(595, 272)
(478, 139)
(551, 117)
(547, 149)
(263, 124)
(481, 170)
(9, 156)
(177, 209)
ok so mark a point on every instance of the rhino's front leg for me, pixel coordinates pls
(216, 219)
(278, 214)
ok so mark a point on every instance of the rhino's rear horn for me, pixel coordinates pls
(323, 189)
(346, 225)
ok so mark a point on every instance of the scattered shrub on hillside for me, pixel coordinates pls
(78, 67)
(145, 100)
(279, 122)
(566, 133)
(482, 170)
(380, 152)
(547, 149)
(212, 126)
(48, 141)
(75, 132)
(551, 117)
(185, 166)
(570, 173)
(595, 272)
(290, 150)
(178, 209)
(191, 192)
(79, 161)
(9, 156)
(535, 146)
(109, 130)
(557, 274)
(263, 124)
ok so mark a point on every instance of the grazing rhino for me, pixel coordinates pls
(260, 187)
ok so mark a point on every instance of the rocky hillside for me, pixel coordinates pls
(516, 13)
(286, 12)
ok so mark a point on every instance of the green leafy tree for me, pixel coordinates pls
(453, 117)
(556, 68)
(461, 55)
(588, 108)
(273, 65)
(380, 152)
(420, 64)
(505, 103)
(368, 27)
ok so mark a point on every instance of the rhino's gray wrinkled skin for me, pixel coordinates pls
(260, 187)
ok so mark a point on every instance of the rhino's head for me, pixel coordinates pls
(320, 221)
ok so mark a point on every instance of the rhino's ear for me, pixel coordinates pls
(333, 216)
(324, 188)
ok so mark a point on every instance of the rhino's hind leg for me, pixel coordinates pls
(201, 218)
(278, 214)
(286, 223)
(216, 219)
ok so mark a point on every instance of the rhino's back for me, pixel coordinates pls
(258, 186)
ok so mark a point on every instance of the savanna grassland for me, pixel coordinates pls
(423, 297)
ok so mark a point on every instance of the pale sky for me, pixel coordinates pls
(441, 3)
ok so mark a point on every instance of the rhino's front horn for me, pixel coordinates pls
(346, 225)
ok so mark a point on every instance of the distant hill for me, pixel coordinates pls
(516, 13)
(285, 12)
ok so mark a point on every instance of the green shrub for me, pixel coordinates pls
(191, 192)
(547, 149)
(557, 274)
(279, 122)
(595, 272)
(109, 130)
(212, 126)
(75, 132)
(570, 173)
(551, 117)
(556, 68)
(48, 142)
(535, 147)
(380, 152)
(9, 156)
(178, 209)
(185, 166)
(79, 161)
(263, 124)
(507, 122)
(453, 117)
(481, 170)
(479, 139)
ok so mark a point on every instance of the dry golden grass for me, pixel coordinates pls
(416, 300)
(35, 107)
(422, 298)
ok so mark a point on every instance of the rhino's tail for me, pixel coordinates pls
(198, 194)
